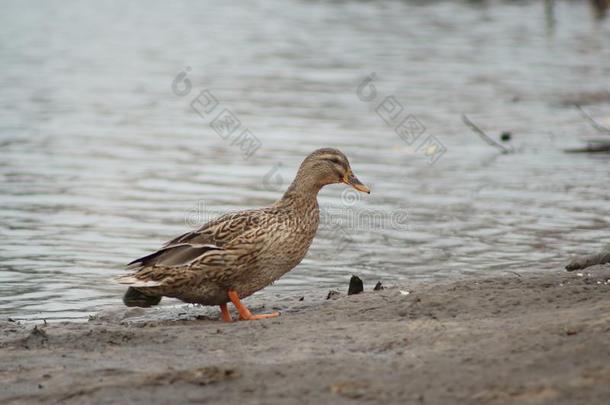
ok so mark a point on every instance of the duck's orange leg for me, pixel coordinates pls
(226, 315)
(244, 313)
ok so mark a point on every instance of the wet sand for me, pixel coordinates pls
(537, 337)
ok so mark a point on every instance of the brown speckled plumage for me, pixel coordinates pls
(243, 251)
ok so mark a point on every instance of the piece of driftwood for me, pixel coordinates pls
(582, 262)
(591, 148)
(484, 136)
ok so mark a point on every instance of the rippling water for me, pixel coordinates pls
(102, 162)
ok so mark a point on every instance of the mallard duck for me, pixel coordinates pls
(239, 253)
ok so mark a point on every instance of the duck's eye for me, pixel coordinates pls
(335, 161)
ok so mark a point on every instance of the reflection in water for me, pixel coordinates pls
(600, 7)
(104, 158)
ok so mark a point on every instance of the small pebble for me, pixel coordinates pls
(332, 294)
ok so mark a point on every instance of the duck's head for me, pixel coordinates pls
(329, 166)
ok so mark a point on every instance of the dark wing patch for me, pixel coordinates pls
(173, 256)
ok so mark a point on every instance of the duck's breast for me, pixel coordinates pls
(283, 248)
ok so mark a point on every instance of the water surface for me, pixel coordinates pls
(102, 162)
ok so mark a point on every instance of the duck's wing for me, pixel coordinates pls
(223, 229)
(192, 246)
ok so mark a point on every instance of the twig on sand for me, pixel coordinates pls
(582, 262)
(592, 121)
(484, 136)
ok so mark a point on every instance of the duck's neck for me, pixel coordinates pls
(302, 193)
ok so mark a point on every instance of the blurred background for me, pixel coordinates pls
(103, 158)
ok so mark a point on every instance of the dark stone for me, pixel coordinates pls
(355, 286)
(136, 298)
(378, 286)
(506, 136)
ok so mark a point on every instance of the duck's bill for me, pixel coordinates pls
(357, 184)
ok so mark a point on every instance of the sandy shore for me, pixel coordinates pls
(532, 338)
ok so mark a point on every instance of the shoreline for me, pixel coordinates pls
(536, 337)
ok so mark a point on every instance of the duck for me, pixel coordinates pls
(239, 253)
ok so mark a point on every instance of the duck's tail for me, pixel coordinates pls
(132, 280)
